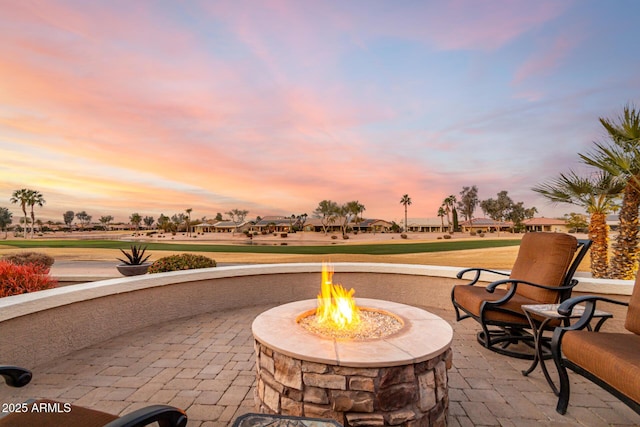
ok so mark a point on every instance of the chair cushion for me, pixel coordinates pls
(632, 321)
(543, 258)
(471, 298)
(56, 416)
(612, 357)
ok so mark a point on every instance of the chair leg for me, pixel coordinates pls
(565, 386)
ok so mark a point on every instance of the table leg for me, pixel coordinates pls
(536, 354)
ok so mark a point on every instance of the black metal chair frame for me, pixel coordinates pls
(562, 364)
(497, 336)
(164, 415)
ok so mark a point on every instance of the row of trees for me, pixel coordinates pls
(329, 212)
(612, 185)
(501, 209)
(26, 197)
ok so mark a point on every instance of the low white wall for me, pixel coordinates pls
(38, 327)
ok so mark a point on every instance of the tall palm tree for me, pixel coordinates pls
(449, 205)
(621, 158)
(406, 201)
(22, 196)
(597, 194)
(188, 219)
(441, 214)
(36, 198)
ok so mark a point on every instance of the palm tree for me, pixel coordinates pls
(597, 194)
(621, 158)
(136, 219)
(36, 198)
(449, 205)
(22, 196)
(188, 219)
(441, 213)
(406, 201)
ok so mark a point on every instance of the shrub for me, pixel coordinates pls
(404, 236)
(181, 262)
(19, 279)
(334, 237)
(447, 236)
(23, 258)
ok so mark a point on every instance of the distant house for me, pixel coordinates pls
(205, 227)
(372, 226)
(273, 224)
(421, 225)
(222, 227)
(315, 224)
(485, 225)
(546, 224)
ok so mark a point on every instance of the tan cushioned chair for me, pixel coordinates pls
(542, 274)
(611, 360)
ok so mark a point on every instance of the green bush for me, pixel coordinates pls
(26, 258)
(181, 262)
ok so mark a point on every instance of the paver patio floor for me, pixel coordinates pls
(205, 365)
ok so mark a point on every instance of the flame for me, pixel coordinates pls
(336, 305)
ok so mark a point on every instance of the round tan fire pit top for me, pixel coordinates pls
(423, 336)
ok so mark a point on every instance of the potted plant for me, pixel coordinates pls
(135, 264)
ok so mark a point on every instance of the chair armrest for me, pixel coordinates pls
(589, 302)
(566, 307)
(477, 275)
(15, 376)
(491, 287)
(164, 415)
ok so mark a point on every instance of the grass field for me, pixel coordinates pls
(368, 249)
(489, 253)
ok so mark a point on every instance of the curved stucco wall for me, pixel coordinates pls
(39, 327)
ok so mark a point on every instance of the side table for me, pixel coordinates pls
(548, 313)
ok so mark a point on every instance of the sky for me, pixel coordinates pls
(116, 107)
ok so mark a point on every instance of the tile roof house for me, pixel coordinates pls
(486, 225)
(546, 224)
(426, 224)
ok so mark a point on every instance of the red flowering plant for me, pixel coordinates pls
(19, 279)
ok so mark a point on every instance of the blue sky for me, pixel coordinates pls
(154, 107)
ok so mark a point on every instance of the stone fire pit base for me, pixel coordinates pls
(410, 395)
(396, 381)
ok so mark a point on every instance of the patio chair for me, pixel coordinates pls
(608, 359)
(49, 413)
(542, 274)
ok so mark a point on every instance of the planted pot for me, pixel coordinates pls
(133, 270)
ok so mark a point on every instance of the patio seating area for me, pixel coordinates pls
(205, 365)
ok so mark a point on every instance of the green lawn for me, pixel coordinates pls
(373, 249)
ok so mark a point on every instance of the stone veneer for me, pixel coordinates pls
(409, 395)
(400, 380)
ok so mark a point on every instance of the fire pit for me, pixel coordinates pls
(391, 379)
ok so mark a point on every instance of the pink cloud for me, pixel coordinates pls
(545, 61)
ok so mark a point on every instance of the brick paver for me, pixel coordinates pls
(205, 365)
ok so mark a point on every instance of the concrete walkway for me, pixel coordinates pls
(205, 365)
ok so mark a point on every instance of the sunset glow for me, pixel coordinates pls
(153, 107)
